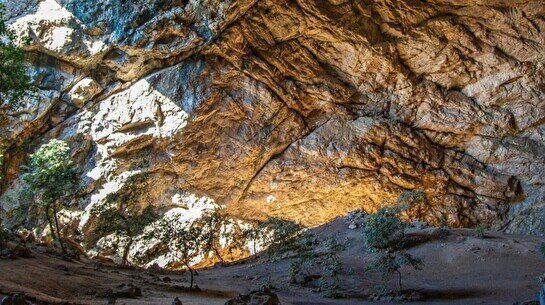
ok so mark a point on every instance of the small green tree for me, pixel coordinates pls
(211, 233)
(15, 84)
(126, 223)
(274, 234)
(542, 249)
(385, 235)
(119, 216)
(184, 243)
(53, 179)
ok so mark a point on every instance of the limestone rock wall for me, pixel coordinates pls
(303, 109)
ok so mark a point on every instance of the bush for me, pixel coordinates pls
(480, 230)
(542, 248)
(329, 281)
(299, 270)
(385, 235)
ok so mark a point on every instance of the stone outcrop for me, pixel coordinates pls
(300, 109)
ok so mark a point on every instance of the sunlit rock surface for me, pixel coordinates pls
(299, 109)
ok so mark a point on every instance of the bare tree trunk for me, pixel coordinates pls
(399, 280)
(192, 275)
(58, 230)
(219, 255)
(126, 253)
(49, 221)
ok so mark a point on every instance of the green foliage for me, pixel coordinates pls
(125, 223)
(53, 179)
(542, 248)
(211, 234)
(182, 241)
(14, 82)
(480, 230)
(52, 175)
(329, 281)
(276, 235)
(307, 258)
(385, 235)
(4, 234)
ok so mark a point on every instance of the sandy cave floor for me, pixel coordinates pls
(459, 268)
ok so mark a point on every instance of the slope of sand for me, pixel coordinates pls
(459, 268)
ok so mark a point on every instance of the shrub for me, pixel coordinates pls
(329, 281)
(307, 258)
(4, 234)
(385, 235)
(480, 230)
(53, 180)
(542, 248)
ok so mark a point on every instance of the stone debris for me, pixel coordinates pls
(257, 297)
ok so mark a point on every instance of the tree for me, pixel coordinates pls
(385, 235)
(118, 215)
(53, 179)
(274, 234)
(182, 241)
(15, 84)
(211, 232)
(126, 223)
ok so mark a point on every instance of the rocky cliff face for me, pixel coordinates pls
(302, 109)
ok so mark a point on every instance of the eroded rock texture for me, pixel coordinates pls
(304, 109)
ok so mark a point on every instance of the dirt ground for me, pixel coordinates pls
(459, 268)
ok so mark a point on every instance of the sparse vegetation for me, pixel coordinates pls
(276, 235)
(4, 234)
(15, 84)
(332, 269)
(385, 236)
(300, 267)
(53, 180)
(480, 230)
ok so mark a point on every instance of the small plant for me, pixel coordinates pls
(53, 180)
(542, 249)
(480, 230)
(385, 235)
